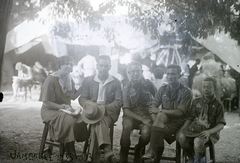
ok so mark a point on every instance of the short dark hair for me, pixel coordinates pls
(176, 67)
(213, 80)
(159, 72)
(134, 63)
(104, 57)
(62, 60)
(197, 61)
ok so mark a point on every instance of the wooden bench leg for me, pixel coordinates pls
(61, 153)
(85, 146)
(50, 147)
(50, 143)
(111, 135)
(178, 152)
(212, 152)
(44, 137)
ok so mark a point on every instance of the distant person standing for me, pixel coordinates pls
(146, 72)
(87, 65)
(158, 74)
(39, 73)
(184, 78)
(192, 72)
(230, 87)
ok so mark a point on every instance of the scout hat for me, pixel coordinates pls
(92, 113)
(193, 130)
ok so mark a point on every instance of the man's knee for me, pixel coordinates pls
(146, 131)
(161, 118)
(109, 121)
(198, 142)
(183, 140)
(127, 126)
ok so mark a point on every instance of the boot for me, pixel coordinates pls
(124, 154)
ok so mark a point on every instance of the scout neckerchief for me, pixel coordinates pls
(203, 117)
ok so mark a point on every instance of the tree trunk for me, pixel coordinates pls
(5, 9)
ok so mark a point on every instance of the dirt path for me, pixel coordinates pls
(21, 130)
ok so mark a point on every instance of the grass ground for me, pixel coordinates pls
(21, 130)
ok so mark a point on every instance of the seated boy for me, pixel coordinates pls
(204, 124)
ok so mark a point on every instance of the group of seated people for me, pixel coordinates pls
(169, 113)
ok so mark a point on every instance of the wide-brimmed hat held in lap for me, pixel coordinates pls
(193, 130)
(92, 112)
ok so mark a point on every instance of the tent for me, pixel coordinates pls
(224, 47)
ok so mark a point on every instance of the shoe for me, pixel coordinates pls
(108, 155)
(149, 155)
(66, 157)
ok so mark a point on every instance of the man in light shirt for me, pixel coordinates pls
(104, 90)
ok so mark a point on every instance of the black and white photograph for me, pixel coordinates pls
(120, 81)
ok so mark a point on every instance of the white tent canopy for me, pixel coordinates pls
(31, 32)
(28, 31)
(224, 47)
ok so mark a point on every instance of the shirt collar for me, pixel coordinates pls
(138, 84)
(176, 88)
(108, 80)
(212, 99)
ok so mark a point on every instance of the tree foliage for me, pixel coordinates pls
(186, 18)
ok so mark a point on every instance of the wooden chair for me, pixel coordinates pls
(177, 157)
(51, 143)
(211, 148)
(25, 91)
